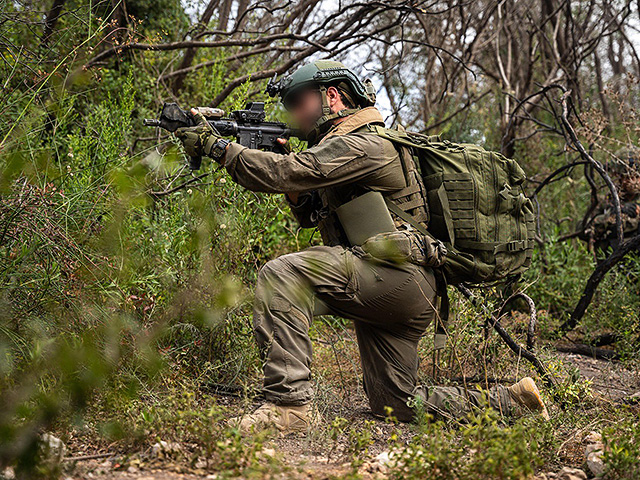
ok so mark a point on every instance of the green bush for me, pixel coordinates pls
(482, 448)
(621, 455)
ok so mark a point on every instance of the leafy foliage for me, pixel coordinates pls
(120, 308)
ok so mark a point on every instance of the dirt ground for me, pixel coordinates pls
(609, 379)
(311, 459)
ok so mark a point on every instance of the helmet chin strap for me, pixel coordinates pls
(325, 122)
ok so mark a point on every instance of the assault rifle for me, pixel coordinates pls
(248, 126)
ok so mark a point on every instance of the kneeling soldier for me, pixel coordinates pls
(389, 293)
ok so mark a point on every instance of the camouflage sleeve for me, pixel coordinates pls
(600, 225)
(337, 160)
(630, 217)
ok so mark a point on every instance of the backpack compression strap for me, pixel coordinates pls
(440, 338)
(399, 137)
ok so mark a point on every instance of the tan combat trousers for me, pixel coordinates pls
(391, 307)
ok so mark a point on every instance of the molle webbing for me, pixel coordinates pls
(412, 199)
(476, 205)
(405, 192)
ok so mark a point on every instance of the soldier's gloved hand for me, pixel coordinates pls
(200, 139)
(434, 252)
(285, 146)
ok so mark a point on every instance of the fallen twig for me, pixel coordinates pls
(596, 277)
(533, 315)
(81, 458)
(511, 343)
(589, 351)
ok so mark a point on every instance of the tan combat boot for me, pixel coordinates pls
(525, 397)
(284, 418)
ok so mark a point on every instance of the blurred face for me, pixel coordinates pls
(305, 106)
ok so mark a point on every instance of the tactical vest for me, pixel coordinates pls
(411, 200)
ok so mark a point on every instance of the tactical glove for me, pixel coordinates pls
(434, 252)
(200, 139)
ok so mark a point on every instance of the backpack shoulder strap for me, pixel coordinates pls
(395, 136)
(409, 139)
(442, 319)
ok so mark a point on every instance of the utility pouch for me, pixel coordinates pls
(364, 217)
(396, 247)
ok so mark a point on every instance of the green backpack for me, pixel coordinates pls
(477, 207)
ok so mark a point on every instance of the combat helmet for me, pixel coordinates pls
(321, 74)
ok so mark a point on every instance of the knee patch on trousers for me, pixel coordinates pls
(279, 304)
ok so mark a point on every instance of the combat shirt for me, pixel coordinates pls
(348, 161)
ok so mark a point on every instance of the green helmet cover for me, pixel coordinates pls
(325, 72)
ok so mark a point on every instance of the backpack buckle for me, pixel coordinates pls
(504, 193)
(515, 246)
(407, 227)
